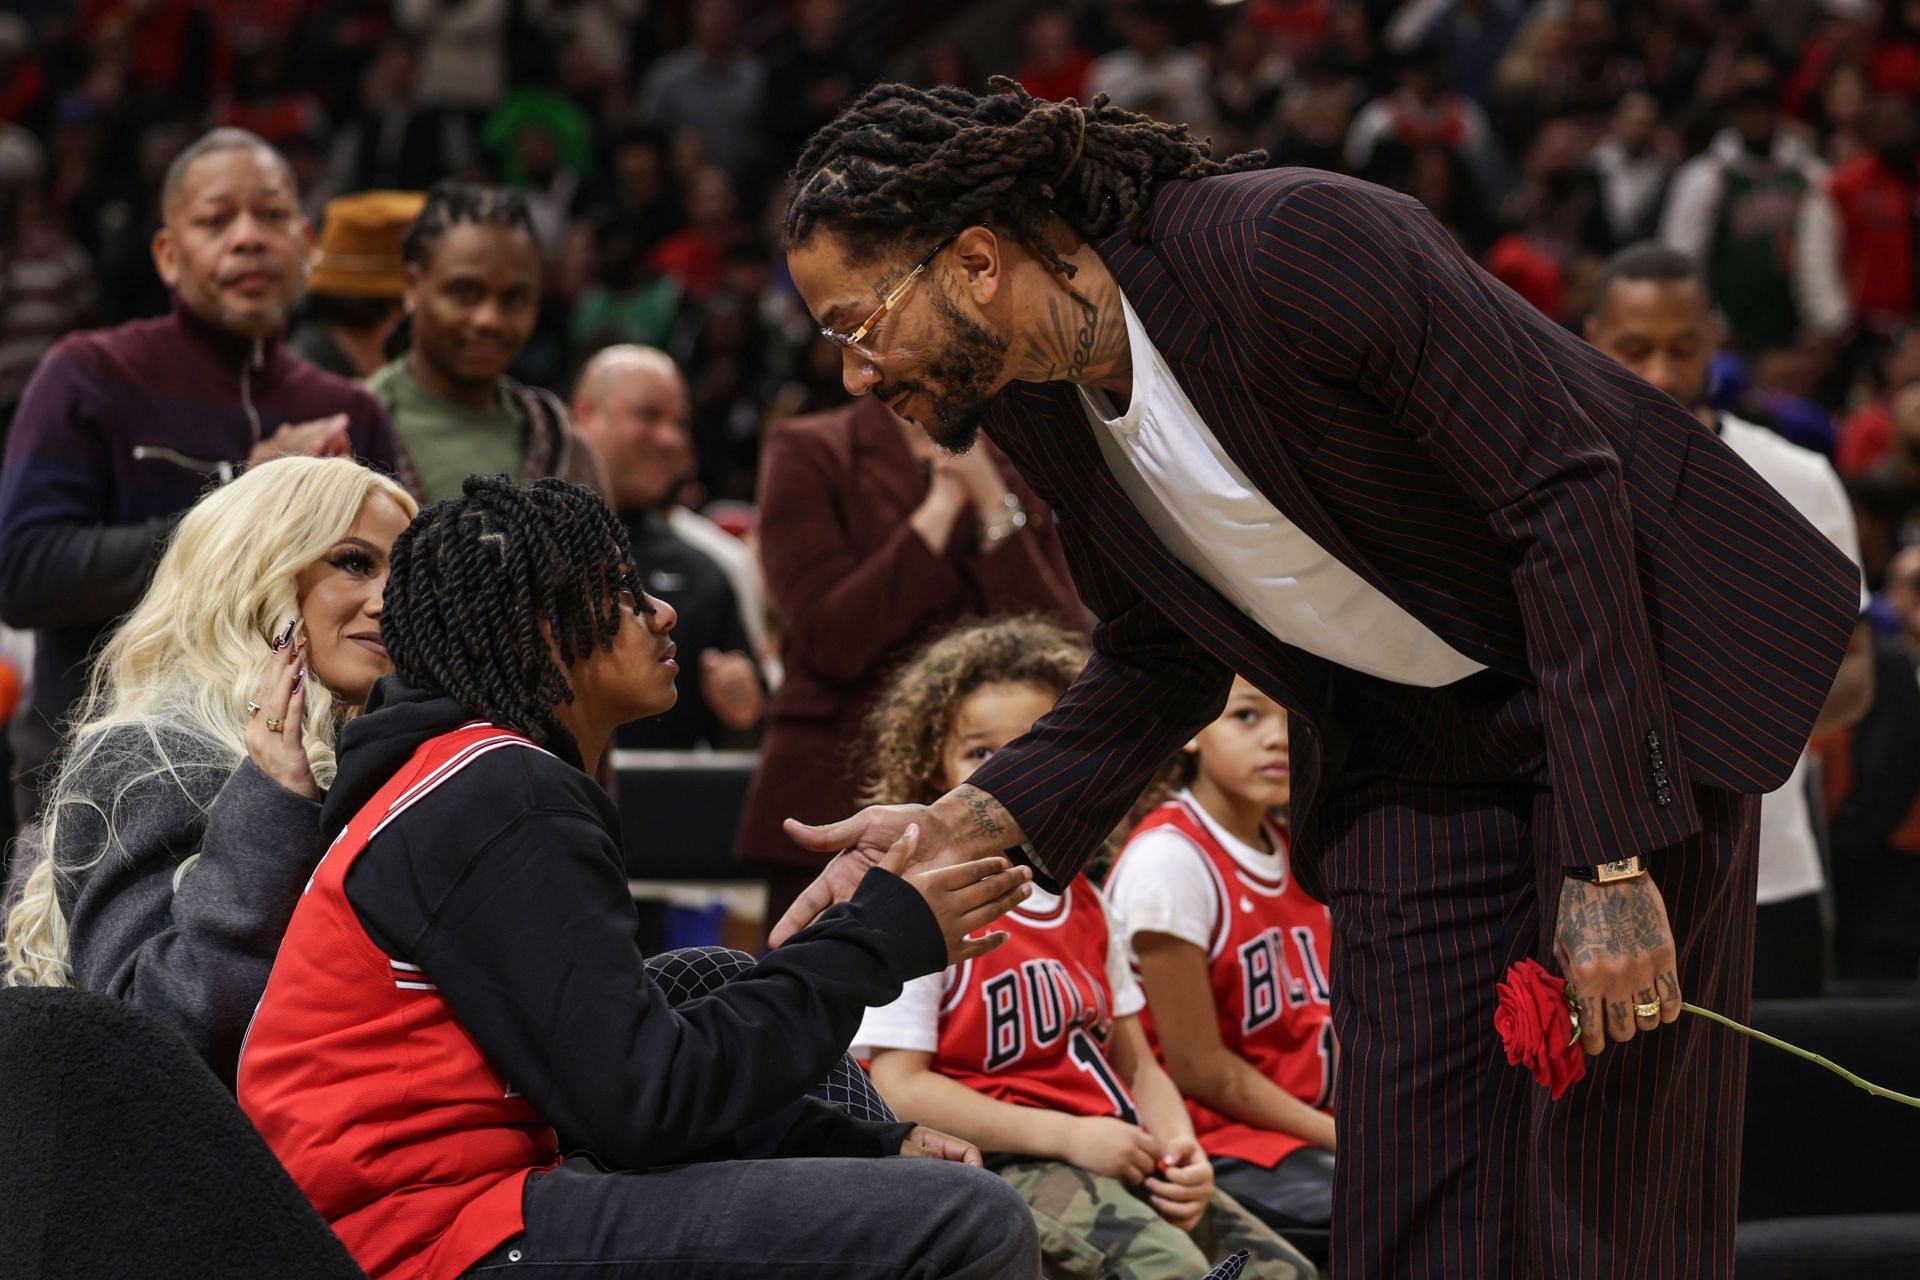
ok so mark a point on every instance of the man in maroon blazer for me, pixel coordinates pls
(1543, 638)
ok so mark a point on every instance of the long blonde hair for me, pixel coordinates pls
(181, 668)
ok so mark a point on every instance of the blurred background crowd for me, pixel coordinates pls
(1775, 141)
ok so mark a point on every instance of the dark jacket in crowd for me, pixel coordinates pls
(507, 884)
(1875, 828)
(856, 591)
(118, 433)
(709, 618)
(193, 955)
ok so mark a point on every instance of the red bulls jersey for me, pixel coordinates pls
(1029, 1023)
(368, 1090)
(1267, 963)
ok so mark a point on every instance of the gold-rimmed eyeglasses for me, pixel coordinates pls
(856, 341)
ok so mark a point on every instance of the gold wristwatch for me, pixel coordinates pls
(1608, 872)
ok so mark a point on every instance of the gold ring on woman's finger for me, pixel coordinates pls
(1651, 1009)
(253, 709)
(275, 724)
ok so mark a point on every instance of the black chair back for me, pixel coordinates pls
(121, 1154)
(1815, 1144)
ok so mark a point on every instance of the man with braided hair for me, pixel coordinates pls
(1542, 637)
(472, 298)
(459, 999)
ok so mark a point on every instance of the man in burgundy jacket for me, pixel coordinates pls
(1543, 638)
(121, 429)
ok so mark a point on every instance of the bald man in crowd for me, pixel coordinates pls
(631, 405)
(121, 429)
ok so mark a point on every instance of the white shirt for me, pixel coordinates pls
(1166, 887)
(1210, 516)
(913, 1021)
(1789, 855)
(735, 559)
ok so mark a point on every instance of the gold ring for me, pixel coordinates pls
(1651, 1009)
(275, 725)
(253, 709)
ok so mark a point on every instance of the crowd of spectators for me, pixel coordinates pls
(1775, 142)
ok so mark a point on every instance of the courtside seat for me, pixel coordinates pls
(1829, 1181)
(122, 1155)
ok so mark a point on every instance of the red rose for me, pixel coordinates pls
(1535, 1022)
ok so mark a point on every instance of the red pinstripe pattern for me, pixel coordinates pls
(1454, 1164)
(1536, 506)
(1618, 570)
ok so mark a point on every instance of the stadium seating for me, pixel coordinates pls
(1829, 1184)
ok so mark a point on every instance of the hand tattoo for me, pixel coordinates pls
(1610, 921)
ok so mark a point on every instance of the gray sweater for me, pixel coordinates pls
(195, 957)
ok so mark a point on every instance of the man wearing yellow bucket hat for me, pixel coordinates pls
(356, 282)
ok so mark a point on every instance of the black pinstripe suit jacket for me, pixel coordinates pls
(1539, 508)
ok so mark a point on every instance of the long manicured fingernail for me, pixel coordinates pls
(285, 638)
(298, 676)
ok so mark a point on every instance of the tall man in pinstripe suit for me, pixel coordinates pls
(1541, 635)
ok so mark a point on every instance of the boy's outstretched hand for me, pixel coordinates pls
(965, 898)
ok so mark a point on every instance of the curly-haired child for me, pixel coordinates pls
(1034, 1051)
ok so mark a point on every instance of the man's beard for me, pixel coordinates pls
(961, 381)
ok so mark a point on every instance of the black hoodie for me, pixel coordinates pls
(507, 886)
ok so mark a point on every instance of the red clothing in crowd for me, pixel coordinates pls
(1064, 79)
(1865, 437)
(1875, 204)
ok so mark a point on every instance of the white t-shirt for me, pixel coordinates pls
(1789, 854)
(1167, 888)
(913, 1020)
(1210, 516)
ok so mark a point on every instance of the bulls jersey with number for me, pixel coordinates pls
(1267, 945)
(1029, 1022)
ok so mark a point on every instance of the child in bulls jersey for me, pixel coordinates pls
(1233, 956)
(1034, 1051)
(459, 997)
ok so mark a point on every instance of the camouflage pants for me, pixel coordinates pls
(1097, 1228)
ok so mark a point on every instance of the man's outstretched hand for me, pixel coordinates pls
(964, 824)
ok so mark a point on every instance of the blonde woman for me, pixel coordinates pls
(185, 818)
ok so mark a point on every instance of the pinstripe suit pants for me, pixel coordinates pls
(1453, 1163)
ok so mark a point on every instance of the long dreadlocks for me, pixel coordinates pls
(924, 163)
(473, 578)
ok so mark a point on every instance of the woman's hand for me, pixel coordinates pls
(965, 898)
(931, 1144)
(273, 736)
(1181, 1193)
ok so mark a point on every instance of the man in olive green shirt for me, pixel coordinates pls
(473, 292)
